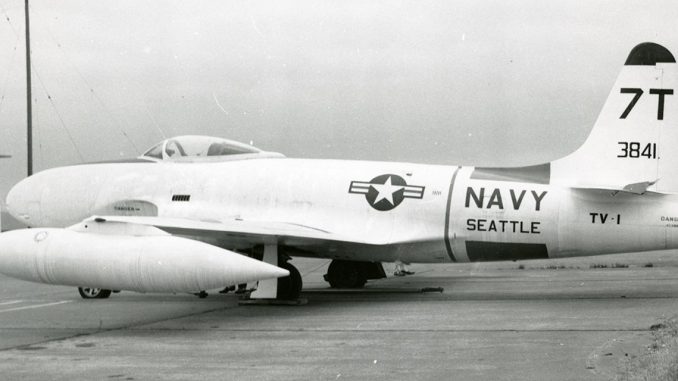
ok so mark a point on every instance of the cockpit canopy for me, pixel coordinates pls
(203, 148)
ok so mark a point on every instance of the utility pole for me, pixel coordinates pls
(29, 108)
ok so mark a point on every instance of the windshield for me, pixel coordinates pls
(197, 146)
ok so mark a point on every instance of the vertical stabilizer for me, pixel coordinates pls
(633, 144)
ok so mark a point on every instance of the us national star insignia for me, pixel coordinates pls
(385, 192)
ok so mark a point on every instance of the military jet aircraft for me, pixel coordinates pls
(196, 213)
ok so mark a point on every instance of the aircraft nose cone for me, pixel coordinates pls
(13, 202)
(19, 199)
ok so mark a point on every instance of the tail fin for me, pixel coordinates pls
(634, 143)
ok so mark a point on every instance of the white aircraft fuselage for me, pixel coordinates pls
(373, 211)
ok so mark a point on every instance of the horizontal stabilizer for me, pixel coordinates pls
(635, 188)
(639, 188)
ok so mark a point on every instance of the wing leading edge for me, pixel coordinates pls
(303, 240)
(253, 232)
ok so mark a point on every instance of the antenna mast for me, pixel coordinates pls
(29, 118)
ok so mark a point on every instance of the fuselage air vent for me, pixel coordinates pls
(181, 197)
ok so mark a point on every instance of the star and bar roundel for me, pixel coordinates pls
(385, 192)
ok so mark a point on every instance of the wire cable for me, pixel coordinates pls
(11, 63)
(90, 88)
(56, 111)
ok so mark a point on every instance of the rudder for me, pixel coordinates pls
(635, 137)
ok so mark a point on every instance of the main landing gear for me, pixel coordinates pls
(352, 274)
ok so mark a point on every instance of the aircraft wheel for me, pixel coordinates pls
(93, 293)
(345, 274)
(289, 287)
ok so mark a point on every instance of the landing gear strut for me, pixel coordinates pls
(352, 274)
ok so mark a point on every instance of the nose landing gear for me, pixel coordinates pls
(289, 287)
(282, 289)
(93, 293)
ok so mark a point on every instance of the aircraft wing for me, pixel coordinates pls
(236, 230)
(306, 240)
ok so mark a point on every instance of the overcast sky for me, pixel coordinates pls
(445, 82)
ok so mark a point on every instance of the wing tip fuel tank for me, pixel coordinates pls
(136, 263)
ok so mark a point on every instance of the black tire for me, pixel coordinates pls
(93, 293)
(290, 286)
(346, 274)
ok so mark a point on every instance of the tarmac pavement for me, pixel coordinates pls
(552, 320)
